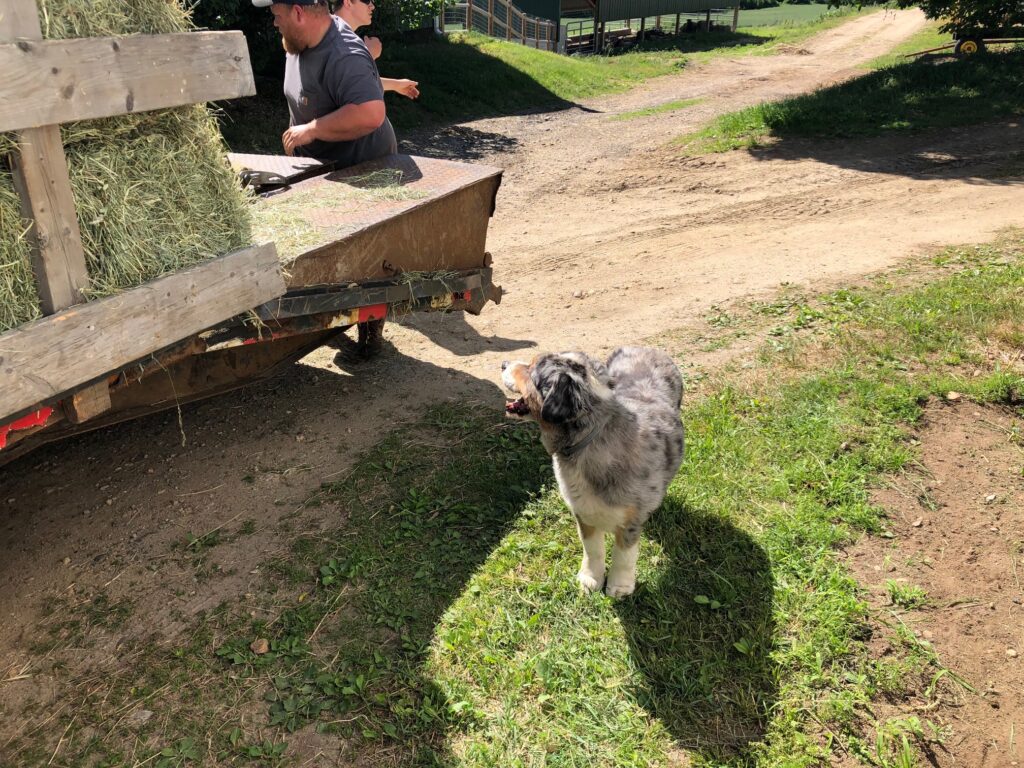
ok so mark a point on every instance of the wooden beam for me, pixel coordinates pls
(40, 172)
(48, 358)
(59, 81)
(88, 403)
(19, 20)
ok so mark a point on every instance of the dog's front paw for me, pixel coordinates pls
(589, 581)
(620, 588)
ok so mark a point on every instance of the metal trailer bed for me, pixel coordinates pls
(377, 259)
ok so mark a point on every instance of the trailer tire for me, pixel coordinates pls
(969, 46)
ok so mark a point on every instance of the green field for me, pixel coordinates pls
(782, 15)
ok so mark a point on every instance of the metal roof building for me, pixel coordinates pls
(615, 10)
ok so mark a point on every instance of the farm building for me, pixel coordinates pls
(568, 25)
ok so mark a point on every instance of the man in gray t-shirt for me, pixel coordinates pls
(334, 93)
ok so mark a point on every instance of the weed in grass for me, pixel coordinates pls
(905, 596)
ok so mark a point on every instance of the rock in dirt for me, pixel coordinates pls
(259, 646)
(139, 717)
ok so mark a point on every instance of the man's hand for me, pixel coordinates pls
(407, 88)
(374, 46)
(298, 136)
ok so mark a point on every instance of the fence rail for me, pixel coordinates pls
(501, 19)
(49, 82)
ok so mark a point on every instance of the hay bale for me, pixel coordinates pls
(154, 192)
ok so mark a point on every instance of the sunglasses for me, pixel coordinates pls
(367, 2)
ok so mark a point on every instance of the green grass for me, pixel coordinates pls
(926, 39)
(906, 596)
(782, 15)
(440, 623)
(900, 96)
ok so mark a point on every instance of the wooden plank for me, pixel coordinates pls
(88, 403)
(40, 172)
(58, 81)
(50, 357)
(19, 20)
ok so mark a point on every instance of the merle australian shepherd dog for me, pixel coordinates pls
(616, 441)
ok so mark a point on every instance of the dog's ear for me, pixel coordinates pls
(563, 401)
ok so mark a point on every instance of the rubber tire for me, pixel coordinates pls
(969, 46)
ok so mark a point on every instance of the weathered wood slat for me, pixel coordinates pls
(88, 403)
(58, 81)
(19, 19)
(40, 172)
(52, 356)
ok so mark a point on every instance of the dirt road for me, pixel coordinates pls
(602, 235)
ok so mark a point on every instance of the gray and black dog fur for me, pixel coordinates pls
(615, 436)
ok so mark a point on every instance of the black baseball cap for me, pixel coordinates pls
(268, 3)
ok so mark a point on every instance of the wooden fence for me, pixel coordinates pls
(501, 19)
(68, 353)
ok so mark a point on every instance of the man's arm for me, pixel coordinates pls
(373, 45)
(405, 87)
(352, 121)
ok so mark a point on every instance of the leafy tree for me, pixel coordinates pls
(256, 24)
(962, 17)
(390, 17)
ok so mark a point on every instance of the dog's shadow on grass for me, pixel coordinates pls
(700, 631)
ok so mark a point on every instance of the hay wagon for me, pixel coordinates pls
(232, 319)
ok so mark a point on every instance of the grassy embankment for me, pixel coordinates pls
(897, 95)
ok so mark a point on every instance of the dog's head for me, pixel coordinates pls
(555, 388)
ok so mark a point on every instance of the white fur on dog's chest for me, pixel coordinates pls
(590, 508)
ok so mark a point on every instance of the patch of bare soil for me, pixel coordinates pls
(958, 533)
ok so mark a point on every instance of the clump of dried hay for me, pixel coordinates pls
(154, 192)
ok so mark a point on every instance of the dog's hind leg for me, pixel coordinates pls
(622, 574)
(591, 574)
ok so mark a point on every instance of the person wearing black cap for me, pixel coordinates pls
(335, 101)
(334, 94)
